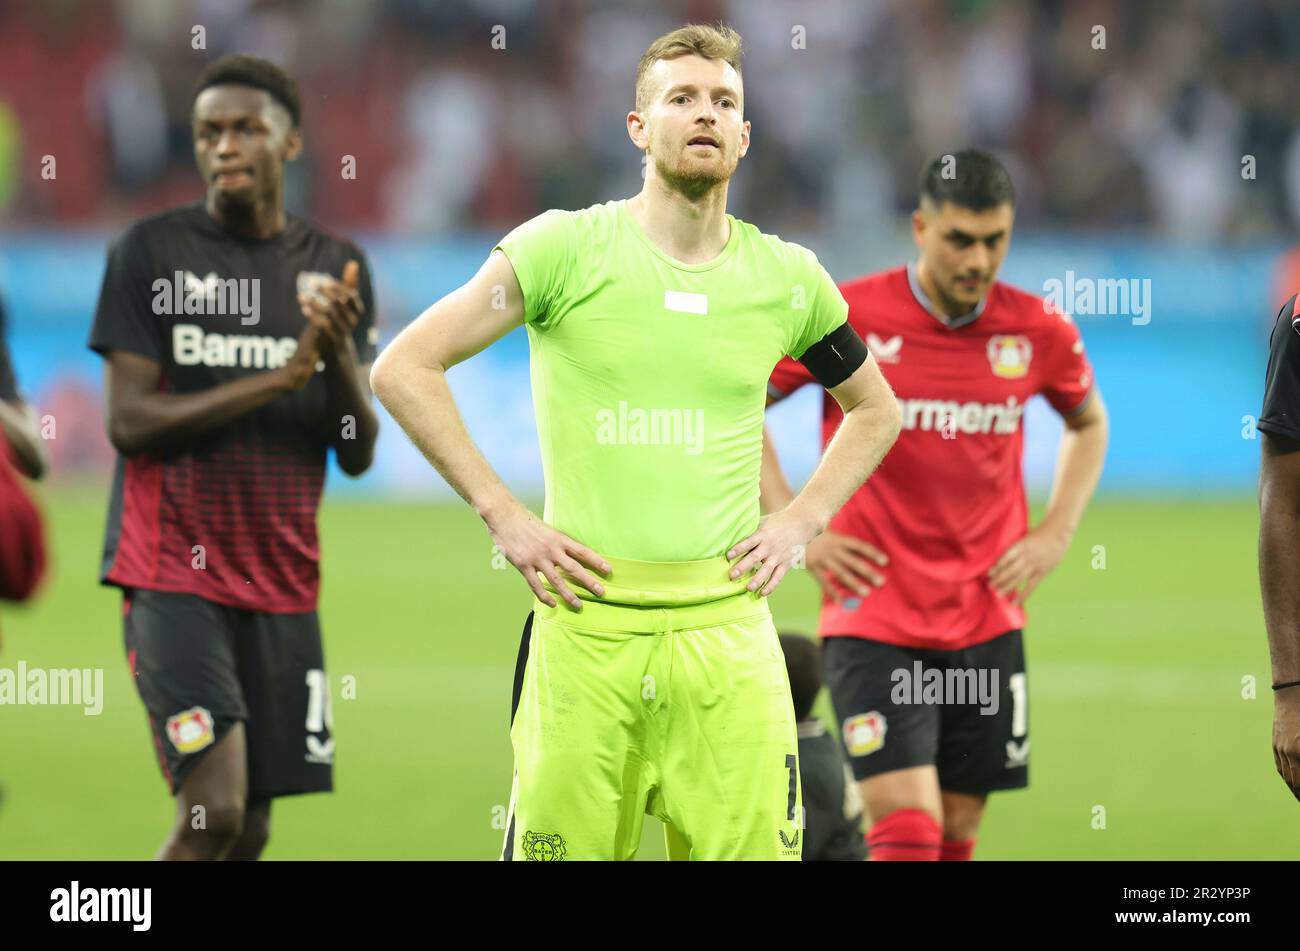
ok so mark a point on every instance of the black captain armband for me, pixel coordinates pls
(835, 357)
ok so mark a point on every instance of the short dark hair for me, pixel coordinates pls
(971, 178)
(261, 74)
(803, 662)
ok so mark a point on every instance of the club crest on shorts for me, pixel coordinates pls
(544, 847)
(1009, 355)
(864, 733)
(191, 730)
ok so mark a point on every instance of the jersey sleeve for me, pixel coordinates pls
(1280, 414)
(8, 381)
(124, 317)
(366, 334)
(541, 251)
(827, 309)
(1068, 380)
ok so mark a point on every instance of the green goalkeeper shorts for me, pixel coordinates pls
(667, 697)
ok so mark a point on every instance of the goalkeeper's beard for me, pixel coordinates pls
(694, 183)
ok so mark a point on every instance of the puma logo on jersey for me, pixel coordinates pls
(186, 293)
(192, 347)
(1002, 419)
(885, 351)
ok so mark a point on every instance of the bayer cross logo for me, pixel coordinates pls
(544, 847)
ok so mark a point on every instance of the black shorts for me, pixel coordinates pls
(202, 667)
(900, 707)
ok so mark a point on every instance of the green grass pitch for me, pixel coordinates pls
(1135, 682)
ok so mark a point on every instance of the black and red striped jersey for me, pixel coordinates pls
(231, 516)
(1280, 415)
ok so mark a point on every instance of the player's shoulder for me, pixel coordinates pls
(162, 227)
(779, 261)
(599, 217)
(1290, 312)
(790, 253)
(880, 302)
(876, 286)
(304, 231)
(1020, 302)
(1019, 311)
(594, 224)
(1284, 331)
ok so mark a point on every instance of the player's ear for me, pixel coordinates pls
(636, 130)
(292, 145)
(744, 139)
(918, 226)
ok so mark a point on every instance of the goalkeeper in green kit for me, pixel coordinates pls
(653, 681)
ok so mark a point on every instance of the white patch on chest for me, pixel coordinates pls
(686, 303)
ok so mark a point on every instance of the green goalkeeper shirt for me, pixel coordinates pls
(650, 376)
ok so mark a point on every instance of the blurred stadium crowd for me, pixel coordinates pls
(1148, 134)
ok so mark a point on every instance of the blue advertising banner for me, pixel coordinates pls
(1177, 336)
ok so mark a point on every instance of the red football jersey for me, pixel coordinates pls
(22, 539)
(949, 497)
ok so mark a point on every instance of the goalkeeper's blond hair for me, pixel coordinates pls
(711, 42)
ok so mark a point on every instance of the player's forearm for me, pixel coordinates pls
(18, 424)
(863, 438)
(1279, 566)
(419, 398)
(774, 491)
(1079, 462)
(348, 402)
(148, 422)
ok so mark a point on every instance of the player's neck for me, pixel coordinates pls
(256, 222)
(690, 230)
(948, 310)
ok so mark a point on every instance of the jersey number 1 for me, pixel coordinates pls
(319, 715)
